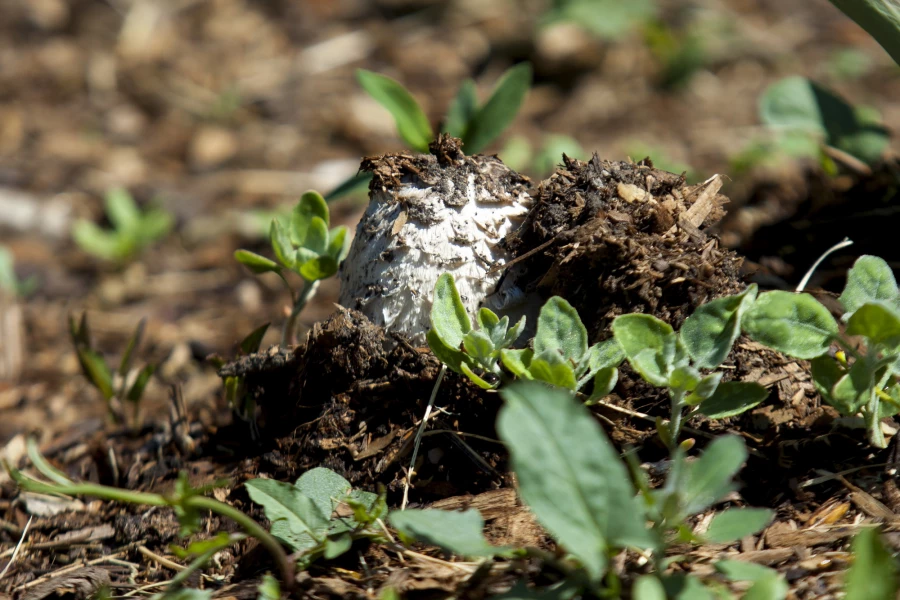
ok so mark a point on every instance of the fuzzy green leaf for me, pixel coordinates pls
(739, 570)
(250, 344)
(735, 523)
(338, 244)
(550, 367)
(570, 475)
(878, 321)
(122, 211)
(709, 333)
(448, 315)
(795, 324)
(517, 361)
(412, 124)
(826, 372)
(704, 390)
(478, 344)
(869, 280)
(324, 487)
(320, 267)
(648, 587)
(107, 245)
(280, 240)
(651, 346)
(310, 206)
(500, 109)
(854, 389)
(732, 398)
(475, 377)
(296, 520)
(709, 478)
(604, 382)
(317, 236)
(452, 357)
(559, 329)
(873, 575)
(459, 533)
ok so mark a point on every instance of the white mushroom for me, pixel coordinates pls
(430, 215)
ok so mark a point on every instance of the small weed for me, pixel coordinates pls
(120, 388)
(9, 281)
(132, 231)
(306, 246)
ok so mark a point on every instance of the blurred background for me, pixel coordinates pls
(220, 113)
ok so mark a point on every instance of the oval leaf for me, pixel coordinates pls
(255, 262)
(500, 110)
(735, 523)
(709, 333)
(448, 315)
(560, 330)
(732, 398)
(412, 124)
(460, 533)
(869, 280)
(649, 344)
(795, 324)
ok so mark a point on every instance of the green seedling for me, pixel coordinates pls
(305, 246)
(9, 281)
(561, 355)
(804, 116)
(477, 125)
(188, 503)
(473, 352)
(243, 405)
(673, 360)
(132, 230)
(606, 19)
(320, 516)
(571, 477)
(854, 381)
(120, 388)
(519, 155)
(873, 574)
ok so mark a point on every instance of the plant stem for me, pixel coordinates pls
(288, 333)
(252, 528)
(677, 417)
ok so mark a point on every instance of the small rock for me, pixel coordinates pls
(211, 147)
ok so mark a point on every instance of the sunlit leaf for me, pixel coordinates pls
(500, 109)
(412, 124)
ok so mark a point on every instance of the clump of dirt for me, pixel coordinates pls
(617, 237)
(351, 399)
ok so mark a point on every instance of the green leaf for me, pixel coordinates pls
(250, 344)
(740, 570)
(602, 356)
(650, 345)
(487, 319)
(796, 103)
(475, 378)
(459, 533)
(337, 545)
(451, 357)
(735, 523)
(708, 479)
(122, 211)
(462, 110)
(704, 390)
(324, 487)
(604, 382)
(773, 587)
(795, 324)
(320, 267)
(686, 587)
(155, 224)
(296, 520)
(825, 373)
(96, 371)
(140, 383)
(412, 124)
(732, 398)
(709, 333)
(500, 109)
(280, 240)
(255, 262)
(317, 236)
(878, 321)
(869, 280)
(550, 367)
(648, 587)
(310, 206)
(517, 361)
(478, 345)
(853, 390)
(513, 333)
(560, 330)
(873, 575)
(880, 18)
(684, 378)
(133, 343)
(570, 475)
(103, 244)
(448, 315)
(352, 185)
(338, 243)
(268, 588)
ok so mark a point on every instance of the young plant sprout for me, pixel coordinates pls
(118, 389)
(132, 231)
(305, 246)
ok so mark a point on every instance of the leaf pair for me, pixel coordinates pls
(477, 126)
(464, 349)
(320, 515)
(561, 355)
(305, 245)
(132, 231)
